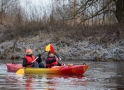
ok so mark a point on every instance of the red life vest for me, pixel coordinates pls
(52, 64)
(30, 59)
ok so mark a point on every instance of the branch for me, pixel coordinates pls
(98, 12)
(78, 11)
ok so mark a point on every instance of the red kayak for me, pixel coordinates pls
(68, 69)
(13, 67)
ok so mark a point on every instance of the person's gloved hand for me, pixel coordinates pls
(63, 64)
(59, 58)
(39, 55)
(39, 58)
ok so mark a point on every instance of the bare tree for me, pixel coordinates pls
(7, 6)
(95, 8)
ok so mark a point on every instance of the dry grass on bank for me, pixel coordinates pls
(57, 31)
(98, 34)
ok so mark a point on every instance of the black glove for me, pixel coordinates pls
(39, 55)
(39, 58)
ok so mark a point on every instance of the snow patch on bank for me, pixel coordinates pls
(72, 50)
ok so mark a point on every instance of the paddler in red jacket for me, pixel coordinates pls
(31, 61)
(52, 60)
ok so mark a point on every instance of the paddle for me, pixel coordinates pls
(48, 48)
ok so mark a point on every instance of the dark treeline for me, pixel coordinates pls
(80, 17)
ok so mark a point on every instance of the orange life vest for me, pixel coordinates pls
(52, 64)
(30, 59)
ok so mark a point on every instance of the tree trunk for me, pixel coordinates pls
(120, 11)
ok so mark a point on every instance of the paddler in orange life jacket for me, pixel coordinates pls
(52, 60)
(31, 61)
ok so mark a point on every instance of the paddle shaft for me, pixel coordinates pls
(34, 59)
(59, 58)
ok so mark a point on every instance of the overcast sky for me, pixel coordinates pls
(31, 6)
(35, 2)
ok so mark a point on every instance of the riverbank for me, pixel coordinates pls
(107, 47)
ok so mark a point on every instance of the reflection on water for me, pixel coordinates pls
(44, 82)
(100, 75)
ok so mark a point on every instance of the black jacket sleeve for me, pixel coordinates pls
(24, 63)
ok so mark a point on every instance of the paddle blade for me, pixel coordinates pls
(52, 49)
(49, 47)
(20, 71)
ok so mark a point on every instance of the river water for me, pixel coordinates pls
(99, 76)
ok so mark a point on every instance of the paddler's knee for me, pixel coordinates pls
(41, 65)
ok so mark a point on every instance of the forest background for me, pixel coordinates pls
(78, 29)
